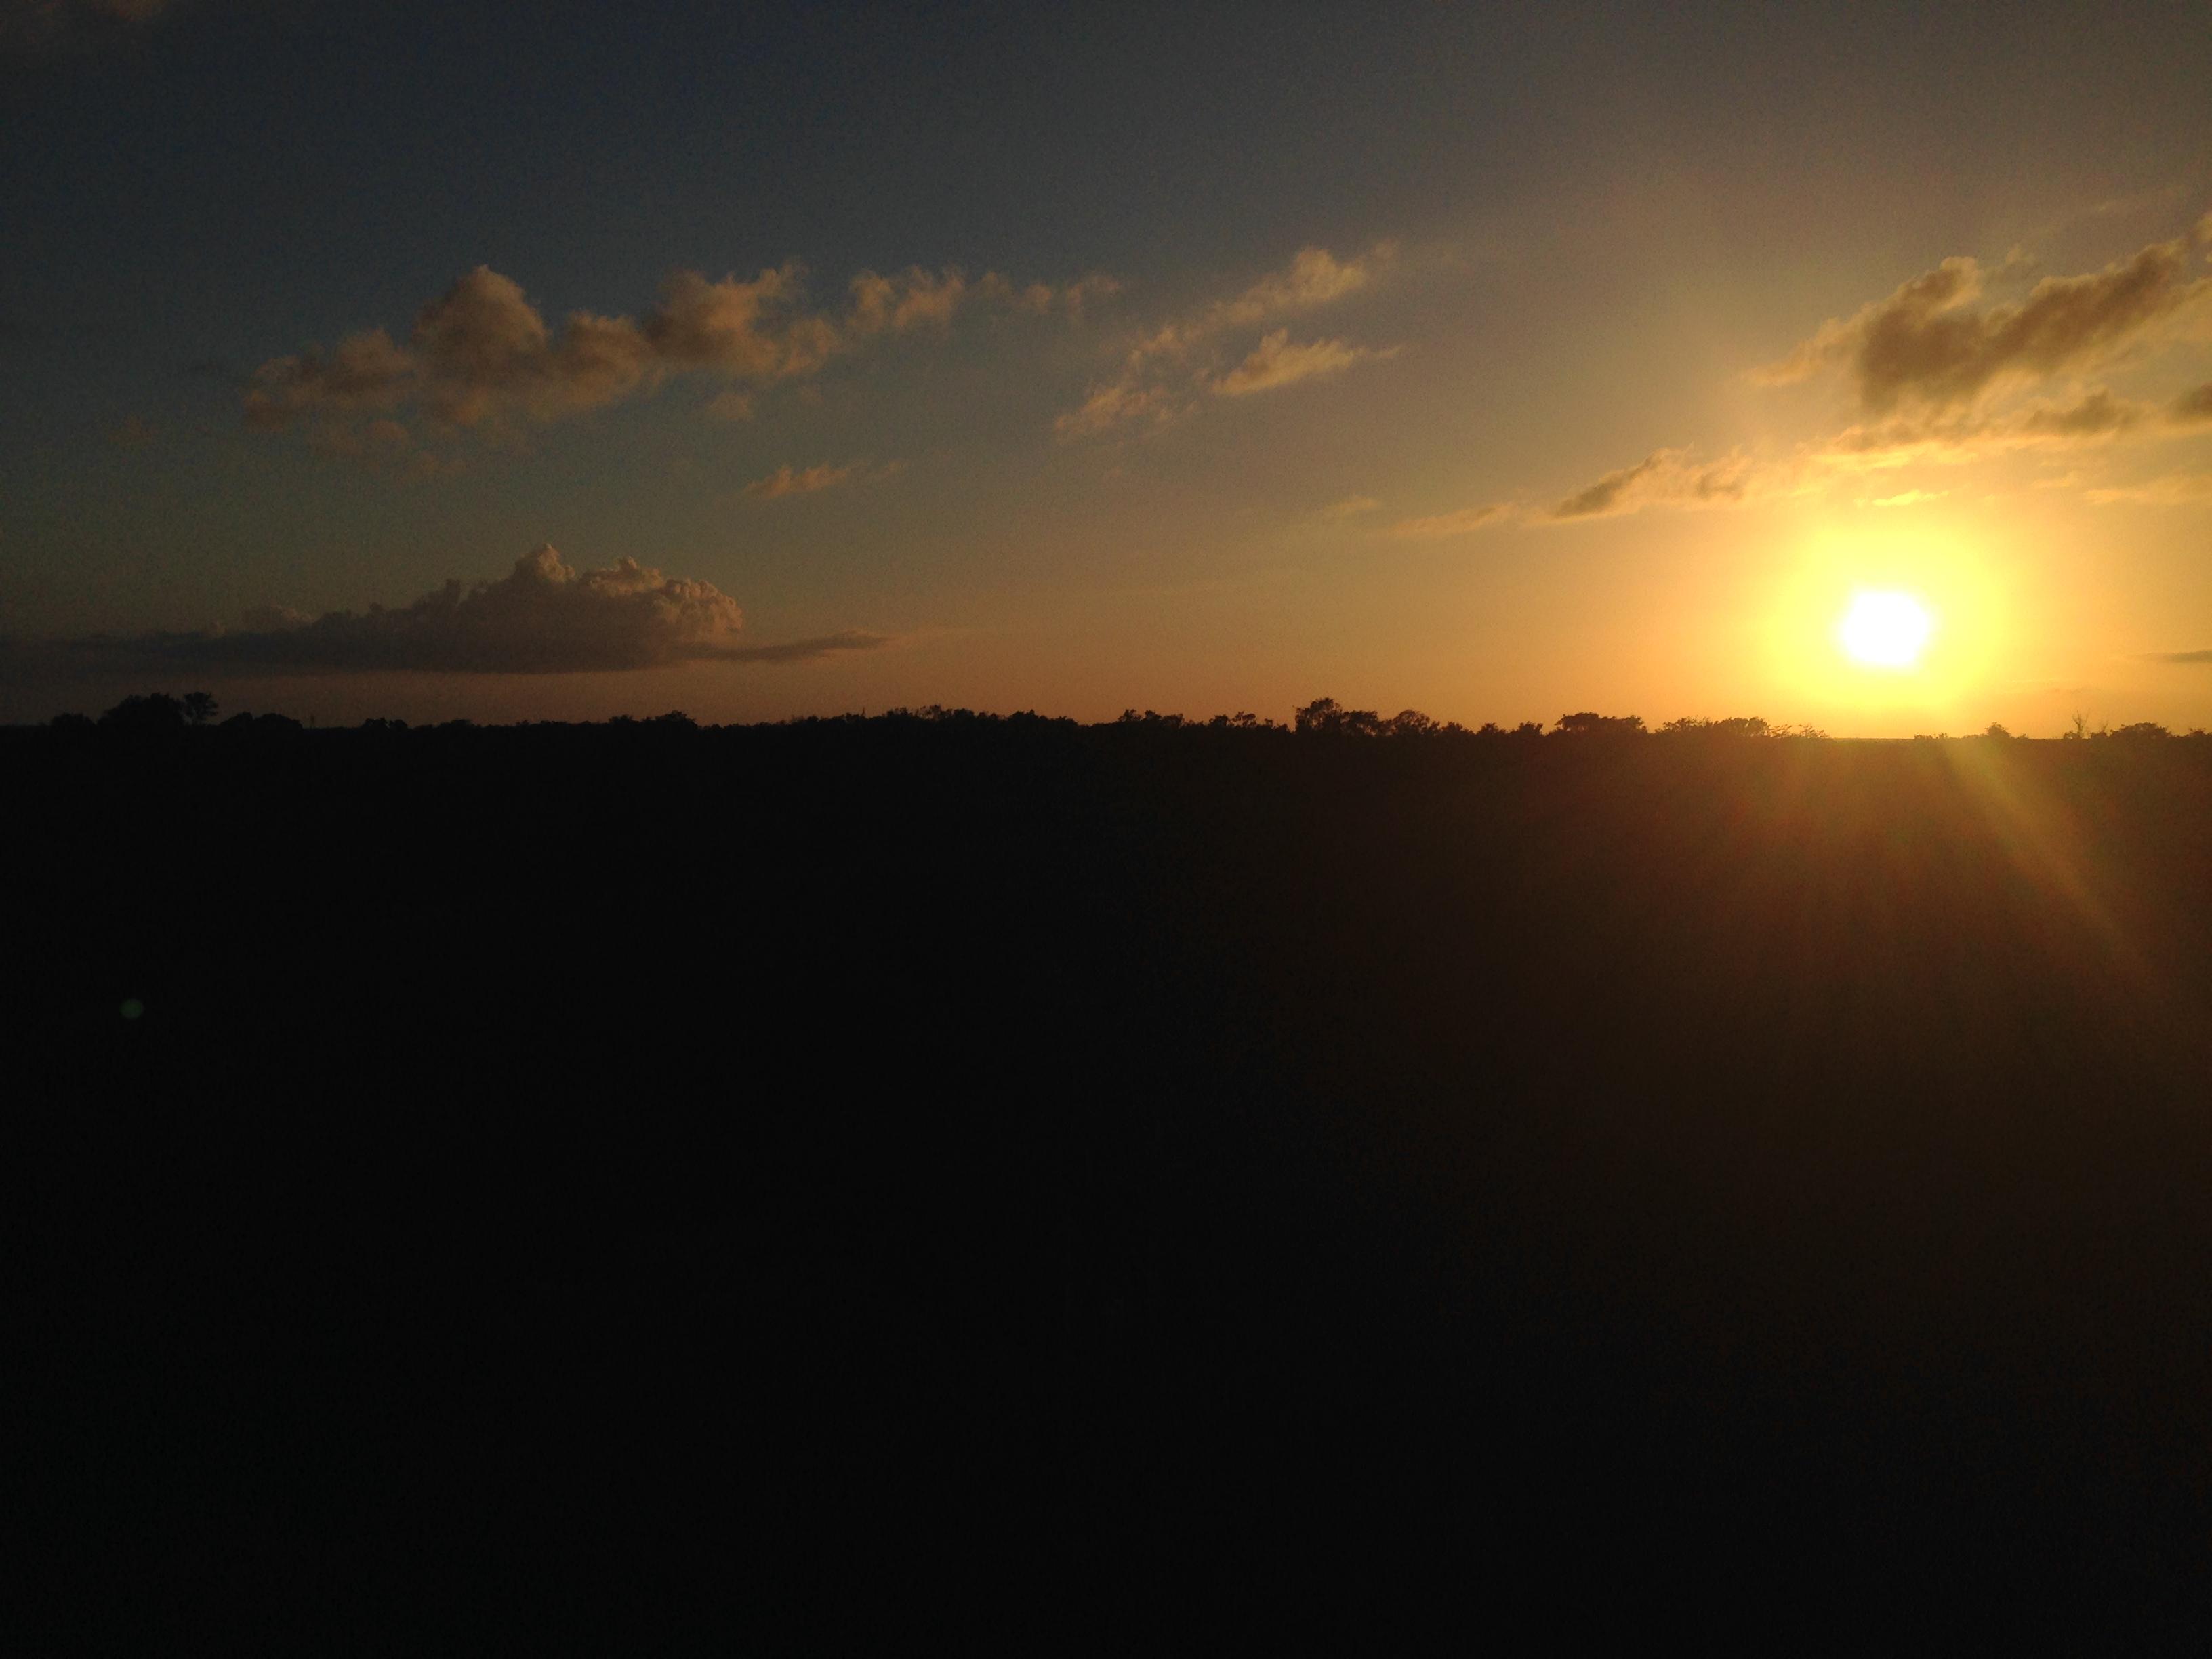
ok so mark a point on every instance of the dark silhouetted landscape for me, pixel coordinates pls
(941, 1180)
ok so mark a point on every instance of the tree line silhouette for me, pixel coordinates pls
(155, 713)
(1281, 1164)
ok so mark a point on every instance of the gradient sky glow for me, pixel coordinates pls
(1495, 362)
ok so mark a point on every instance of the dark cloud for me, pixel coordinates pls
(545, 616)
(2099, 414)
(2191, 407)
(1666, 477)
(2180, 656)
(1930, 344)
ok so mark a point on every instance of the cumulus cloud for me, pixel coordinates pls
(545, 616)
(1931, 344)
(1942, 375)
(786, 480)
(483, 352)
(1276, 363)
(1161, 373)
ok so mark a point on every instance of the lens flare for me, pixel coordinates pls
(1885, 631)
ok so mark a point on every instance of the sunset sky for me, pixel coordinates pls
(1494, 361)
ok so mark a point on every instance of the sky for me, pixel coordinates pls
(555, 362)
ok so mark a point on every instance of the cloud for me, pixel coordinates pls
(545, 616)
(1910, 498)
(813, 650)
(1350, 508)
(1930, 345)
(1666, 477)
(2091, 418)
(1111, 404)
(2099, 414)
(787, 481)
(482, 352)
(2179, 656)
(1453, 524)
(1276, 363)
(1162, 372)
(2175, 489)
(366, 372)
(133, 432)
(1942, 375)
(38, 24)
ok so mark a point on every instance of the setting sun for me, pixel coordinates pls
(1885, 631)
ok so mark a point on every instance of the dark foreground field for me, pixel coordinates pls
(902, 1182)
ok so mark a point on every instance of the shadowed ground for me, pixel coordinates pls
(1046, 1185)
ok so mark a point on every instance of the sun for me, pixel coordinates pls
(1885, 629)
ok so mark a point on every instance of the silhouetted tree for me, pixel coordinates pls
(151, 715)
(1588, 725)
(1736, 726)
(199, 707)
(1327, 715)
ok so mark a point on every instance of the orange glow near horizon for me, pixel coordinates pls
(1907, 630)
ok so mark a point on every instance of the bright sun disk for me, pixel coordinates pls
(1885, 629)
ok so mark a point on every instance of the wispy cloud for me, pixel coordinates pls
(1350, 508)
(2179, 656)
(545, 616)
(1275, 362)
(813, 650)
(2175, 489)
(1438, 525)
(787, 480)
(1163, 373)
(1668, 477)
